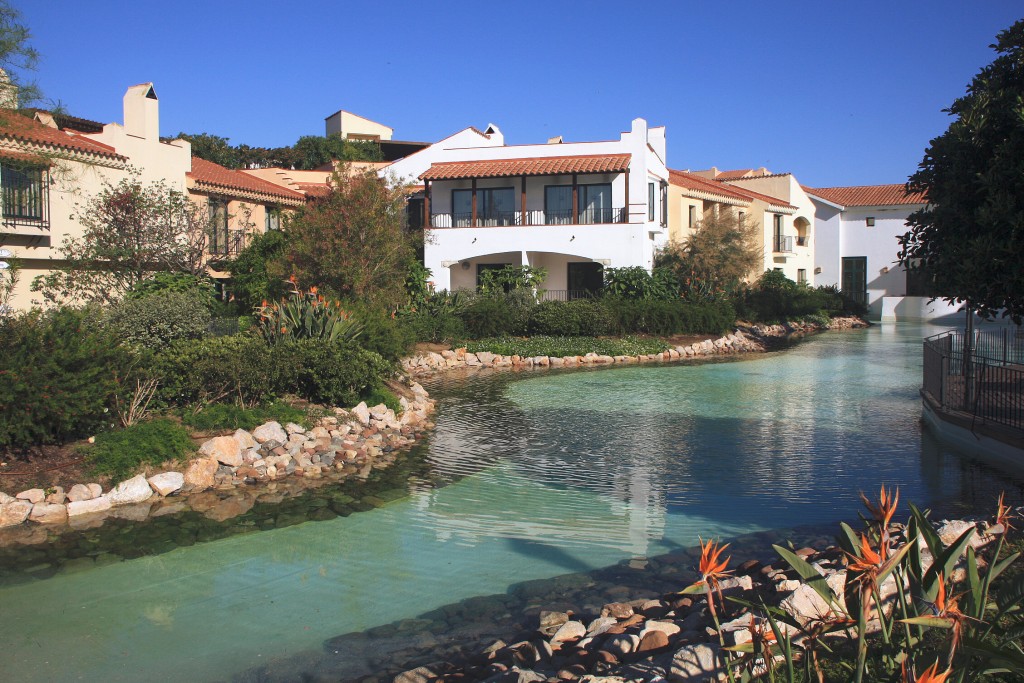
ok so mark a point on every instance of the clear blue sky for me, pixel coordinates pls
(837, 93)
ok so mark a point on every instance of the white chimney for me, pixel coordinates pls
(142, 112)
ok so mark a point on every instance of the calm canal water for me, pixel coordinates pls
(528, 476)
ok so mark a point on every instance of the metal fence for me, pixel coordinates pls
(987, 383)
(565, 294)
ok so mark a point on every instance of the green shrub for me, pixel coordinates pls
(495, 315)
(200, 287)
(159, 318)
(635, 282)
(120, 453)
(334, 374)
(59, 376)
(440, 328)
(236, 368)
(250, 281)
(581, 317)
(382, 333)
(568, 346)
(672, 316)
(219, 416)
(378, 395)
(774, 298)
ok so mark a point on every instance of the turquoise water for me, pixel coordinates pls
(527, 476)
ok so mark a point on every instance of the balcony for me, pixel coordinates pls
(226, 244)
(592, 216)
(25, 206)
(783, 244)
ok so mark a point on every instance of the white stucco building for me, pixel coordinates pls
(858, 230)
(571, 208)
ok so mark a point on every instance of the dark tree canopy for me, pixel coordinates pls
(308, 152)
(970, 238)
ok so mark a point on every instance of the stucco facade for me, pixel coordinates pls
(858, 231)
(488, 203)
(73, 166)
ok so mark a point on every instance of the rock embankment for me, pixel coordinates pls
(652, 639)
(347, 443)
(746, 339)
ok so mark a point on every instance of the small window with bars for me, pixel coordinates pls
(24, 192)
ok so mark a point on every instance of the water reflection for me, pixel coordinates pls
(527, 477)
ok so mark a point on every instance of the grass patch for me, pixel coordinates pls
(119, 454)
(568, 346)
(220, 416)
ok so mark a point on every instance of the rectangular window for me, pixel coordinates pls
(494, 206)
(650, 201)
(692, 216)
(740, 219)
(273, 221)
(779, 242)
(869, 221)
(22, 192)
(558, 205)
(218, 226)
(595, 203)
(664, 205)
(801, 276)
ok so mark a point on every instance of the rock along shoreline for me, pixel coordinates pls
(746, 339)
(349, 443)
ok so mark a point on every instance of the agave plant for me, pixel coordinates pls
(306, 315)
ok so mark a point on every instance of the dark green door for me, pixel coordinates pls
(584, 279)
(855, 278)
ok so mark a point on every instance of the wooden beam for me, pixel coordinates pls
(575, 201)
(522, 202)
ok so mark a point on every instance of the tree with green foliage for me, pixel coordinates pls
(309, 152)
(212, 148)
(17, 56)
(970, 238)
(353, 241)
(721, 253)
(131, 231)
(251, 281)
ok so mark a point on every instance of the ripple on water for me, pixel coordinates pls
(526, 477)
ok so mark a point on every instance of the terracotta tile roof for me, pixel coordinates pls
(732, 175)
(211, 176)
(314, 189)
(505, 168)
(24, 156)
(716, 187)
(23, 129)
(868, 195)
(703, 185)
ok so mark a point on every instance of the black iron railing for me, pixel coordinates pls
(592, 216)
(226, 243)
(565, 294)
(25, 197)
(987, 383)
(782, 244)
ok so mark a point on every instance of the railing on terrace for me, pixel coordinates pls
(565, 294)
(988, 383)
(783, 244)
(592, 216)
(228, 244)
